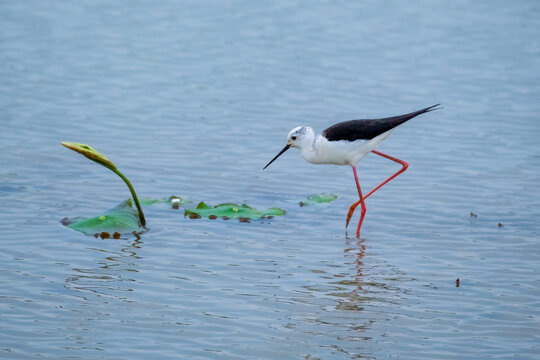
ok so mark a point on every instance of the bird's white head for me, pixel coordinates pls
(299, 137)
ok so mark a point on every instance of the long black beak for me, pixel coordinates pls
(278, 155)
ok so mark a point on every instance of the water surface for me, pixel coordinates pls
(193, 99)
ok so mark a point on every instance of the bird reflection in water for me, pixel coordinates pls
(370, 283)
(359, 251)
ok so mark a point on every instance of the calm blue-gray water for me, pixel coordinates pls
(193, 98)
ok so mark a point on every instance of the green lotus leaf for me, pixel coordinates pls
(122, 219)
(150, 201)
(318, 199)
(98, 157)
(171, 200)
(174, 201)
(231, 211)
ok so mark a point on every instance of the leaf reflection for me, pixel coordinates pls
(112, 273)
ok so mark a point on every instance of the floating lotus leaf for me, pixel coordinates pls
(150, 201)
(98, 157)
(170, 200)
(231, 211)
(318, 199)
(122, 219)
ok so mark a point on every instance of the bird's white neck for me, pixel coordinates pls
(310, 148)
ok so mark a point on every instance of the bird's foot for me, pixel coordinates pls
(351, 211)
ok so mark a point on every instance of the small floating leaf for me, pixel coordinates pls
(122, 219)
(174, 201)
(318, 199)
(149, 201)
(231, 211)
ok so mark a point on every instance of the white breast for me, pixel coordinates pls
(340, 152)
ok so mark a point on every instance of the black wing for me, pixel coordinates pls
(368, 129)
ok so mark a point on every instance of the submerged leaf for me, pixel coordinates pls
(149, 201)
(171, 200)
(174, 201)
(122, 219)
(231, 211)
(177, 199)
(318, 199)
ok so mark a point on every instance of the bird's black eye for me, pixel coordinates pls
(293, 137)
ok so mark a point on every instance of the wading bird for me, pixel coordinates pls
(346, 143)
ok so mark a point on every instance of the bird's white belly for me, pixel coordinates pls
(342, 152)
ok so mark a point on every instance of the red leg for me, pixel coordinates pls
(404, 166)
(361, 201)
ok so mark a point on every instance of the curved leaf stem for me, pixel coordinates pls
(135, 199)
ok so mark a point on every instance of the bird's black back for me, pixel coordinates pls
(368, 129)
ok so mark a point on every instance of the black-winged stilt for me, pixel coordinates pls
(346, 143)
